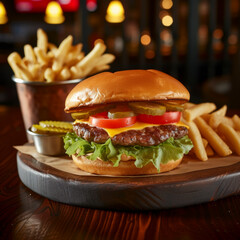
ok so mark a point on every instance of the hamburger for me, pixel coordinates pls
(127, 123)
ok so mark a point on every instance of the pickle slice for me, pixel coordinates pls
(173, 107)
(148, 108)
(81, 115)
(56, 124)
(124, 114)
(120, 111)
(85, 114)
(36, 128)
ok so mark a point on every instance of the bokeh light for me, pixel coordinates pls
(167, 4)
(167, 20)
(145, 39)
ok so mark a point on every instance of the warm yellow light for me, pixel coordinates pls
(115, 12)
(167, 20)
(54, 13)
(145, 39)
(167, 4)
(3, 14)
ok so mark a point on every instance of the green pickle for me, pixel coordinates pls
(36, 128)
(118, 114)
(173, 107)
(52, 127)
(81, 115)
(89, 112)
(56, 124)
(148, 108)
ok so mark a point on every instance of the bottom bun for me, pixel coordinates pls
(125, 168)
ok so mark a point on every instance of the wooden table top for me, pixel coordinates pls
(27, 215)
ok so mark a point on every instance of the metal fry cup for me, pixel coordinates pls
(41, 101)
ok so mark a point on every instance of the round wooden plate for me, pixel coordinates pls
(126, 193)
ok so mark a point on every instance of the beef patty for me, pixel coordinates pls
(148, 136)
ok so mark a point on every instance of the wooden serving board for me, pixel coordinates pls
(129, 193)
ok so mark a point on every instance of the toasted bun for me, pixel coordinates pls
(122, 86)
(125, 168)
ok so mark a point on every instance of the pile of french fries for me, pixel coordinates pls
(211, 131)
(47, 62)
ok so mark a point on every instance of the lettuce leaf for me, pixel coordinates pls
(171, 149)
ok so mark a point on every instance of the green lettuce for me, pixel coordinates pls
(171, 149)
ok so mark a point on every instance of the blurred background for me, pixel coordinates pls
(196, 41)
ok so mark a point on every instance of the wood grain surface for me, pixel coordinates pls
(26, 215)
(129, 193)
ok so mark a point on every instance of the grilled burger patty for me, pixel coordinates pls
(148, 136)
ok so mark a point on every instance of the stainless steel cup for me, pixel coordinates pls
(48, 144)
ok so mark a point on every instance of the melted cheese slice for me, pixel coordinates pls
(136, 126)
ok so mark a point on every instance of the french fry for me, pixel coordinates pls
(29, 53)
(19, 68)
(216, 120)
(61, 53)
(73, 54)
(217, 117)
(97, 51)
(105, 59)
(42, 40)
(42, 58)
(50, 55)
(40, 77)
(47, 62)
(188, 105)
(198, 110)
(64, 75)
(236, 122)
(12, 62)
(88, 68)
(219, 132)
(74, 60)
(209, 151)
(52, 47)
(205, 142)
(80, 57)
(35, 70)
(102, 63)
(228, 121)
(206, 117)
(221, 111)
(49, 75)
(231, 136)
(220, 147)
(25, 72)
(196, 138)
(99, 69)
(76, 72)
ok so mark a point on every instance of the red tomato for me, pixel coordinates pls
(167, 117)
(101, 120)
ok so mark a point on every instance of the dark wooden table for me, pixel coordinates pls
(26, 215)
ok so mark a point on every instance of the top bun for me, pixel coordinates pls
(122, 86)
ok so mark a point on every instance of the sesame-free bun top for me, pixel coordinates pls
(125, 86)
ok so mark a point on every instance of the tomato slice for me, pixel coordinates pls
(167, 117)
(102, 120)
